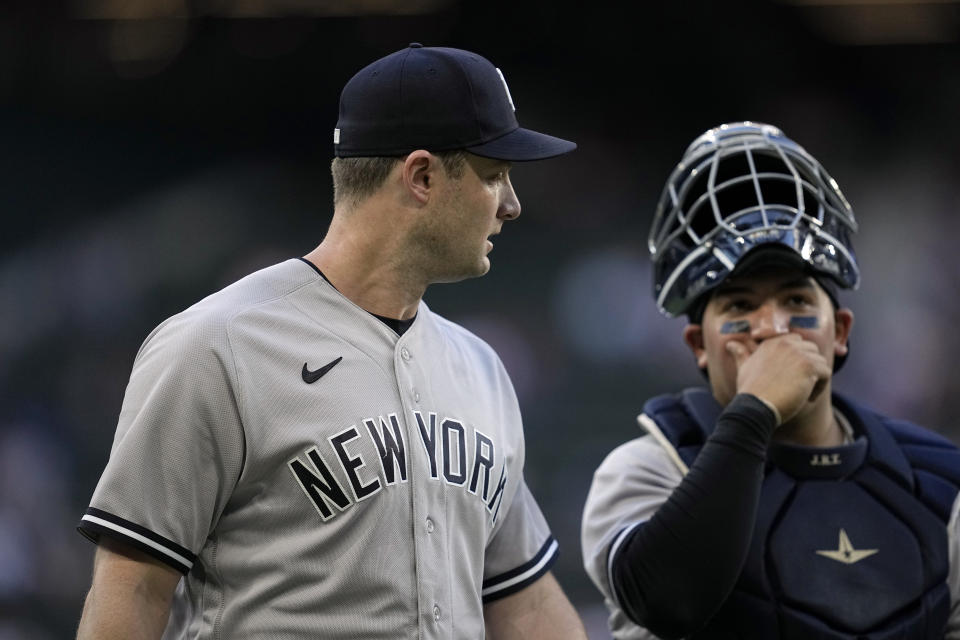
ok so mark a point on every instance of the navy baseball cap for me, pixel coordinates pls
(439, 99)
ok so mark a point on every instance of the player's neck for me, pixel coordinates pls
(815, 427)
(366, 272)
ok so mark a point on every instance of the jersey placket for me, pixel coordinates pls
(427, 494)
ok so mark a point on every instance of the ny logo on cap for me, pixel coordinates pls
(506, 88)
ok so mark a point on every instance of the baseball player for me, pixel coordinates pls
(312, 452)
(766, 506)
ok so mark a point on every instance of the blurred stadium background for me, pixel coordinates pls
(152, 151)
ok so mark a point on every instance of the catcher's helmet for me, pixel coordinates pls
(740, 186)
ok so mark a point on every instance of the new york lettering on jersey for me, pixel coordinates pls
(458, 455)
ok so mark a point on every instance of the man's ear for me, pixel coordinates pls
(693, 337)
(418, 174)
(843, 324)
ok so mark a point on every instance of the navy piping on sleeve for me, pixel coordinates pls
(516, 579)
(612, 552)
(96, 523)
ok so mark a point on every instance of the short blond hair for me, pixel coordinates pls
(355, 179)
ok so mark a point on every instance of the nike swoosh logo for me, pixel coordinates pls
(312, 376)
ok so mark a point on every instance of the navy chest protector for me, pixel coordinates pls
(849, 542)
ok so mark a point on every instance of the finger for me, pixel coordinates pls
(817, 389)
(739, 351)
(822, 372)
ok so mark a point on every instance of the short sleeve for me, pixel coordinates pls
(179, 445)
(628, 487)
(521, 551)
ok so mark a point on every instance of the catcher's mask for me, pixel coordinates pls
(740, 186)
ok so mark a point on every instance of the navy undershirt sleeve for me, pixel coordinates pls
(674, 571)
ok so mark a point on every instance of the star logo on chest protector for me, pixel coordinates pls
(845, 552)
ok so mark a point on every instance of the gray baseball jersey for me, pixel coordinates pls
(628, 488)
(315, 475)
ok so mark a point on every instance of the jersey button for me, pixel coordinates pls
(416, 396)
(430, 526)
(436, 613)
(405, 353)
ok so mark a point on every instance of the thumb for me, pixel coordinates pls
(739, 351)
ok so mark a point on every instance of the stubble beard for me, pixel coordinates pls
(446, 254)
(443, 256)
